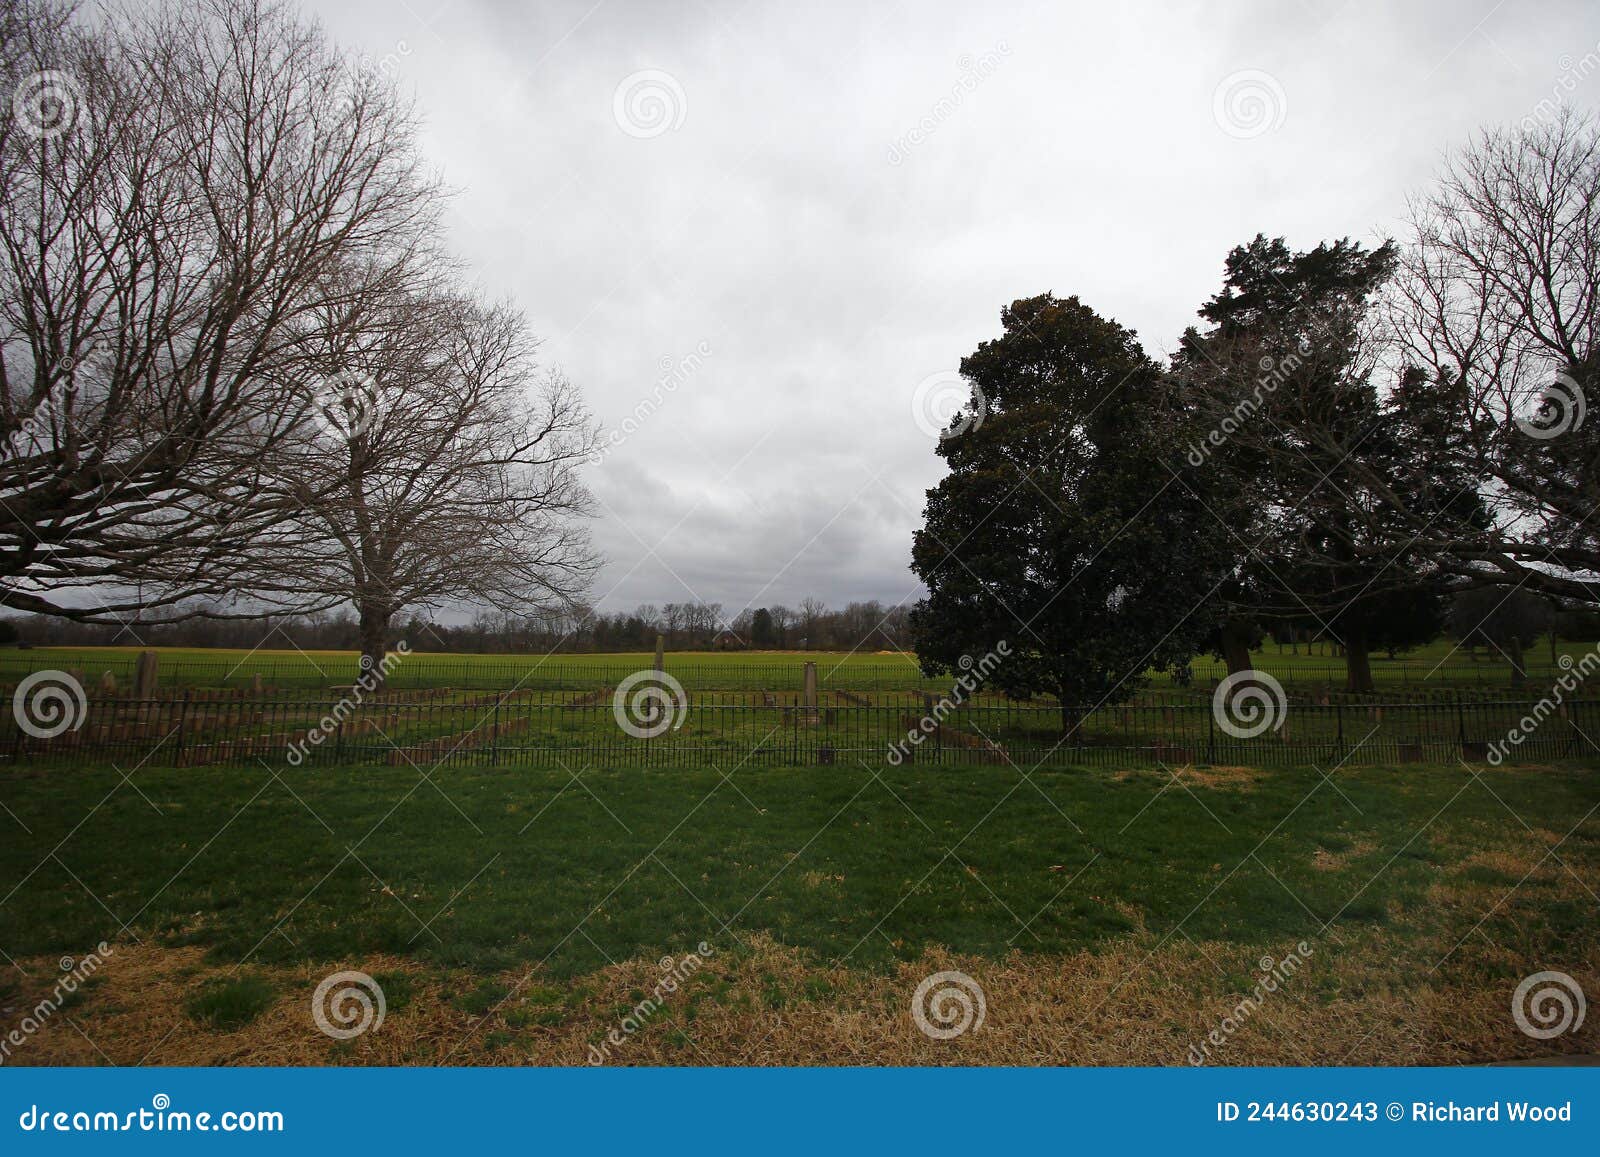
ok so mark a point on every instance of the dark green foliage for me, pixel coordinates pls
(230, 1004)
(1061, 528)
(399, 989)
(1505, 620)
(1310, 450)
(488, 994)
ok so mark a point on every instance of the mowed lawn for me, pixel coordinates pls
(1438, 664)
(479, 887)
(311, 669)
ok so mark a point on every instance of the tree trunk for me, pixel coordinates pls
(1357, 663)
(1519, 665)
(1236, 646)
(374, 644)
(1071, 716)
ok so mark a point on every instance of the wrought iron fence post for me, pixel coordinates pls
(183, 723)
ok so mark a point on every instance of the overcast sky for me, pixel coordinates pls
(807, 210)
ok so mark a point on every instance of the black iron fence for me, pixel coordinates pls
(577, 729)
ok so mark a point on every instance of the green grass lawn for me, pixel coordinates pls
(516, 915)
(486, 868)
(1436, 665)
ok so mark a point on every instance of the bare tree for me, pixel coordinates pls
(1496, 315)
(439, 470)
(782, 619)
(812, 613)
(176, 184)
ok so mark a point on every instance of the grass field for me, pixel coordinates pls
(1111, 917)
(1438, 664)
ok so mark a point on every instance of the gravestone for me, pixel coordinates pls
(144, 675)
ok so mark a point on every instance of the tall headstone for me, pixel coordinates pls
(808, 693)
(661, 652)
(144, 675)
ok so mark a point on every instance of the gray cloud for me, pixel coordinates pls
(827, 281)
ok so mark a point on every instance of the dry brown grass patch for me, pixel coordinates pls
(1209, 776)
(1332, 861)
(1138, 1000)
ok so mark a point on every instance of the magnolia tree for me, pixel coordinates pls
(1059, 529)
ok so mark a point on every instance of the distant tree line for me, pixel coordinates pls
(1488, 626)
(859, 626)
